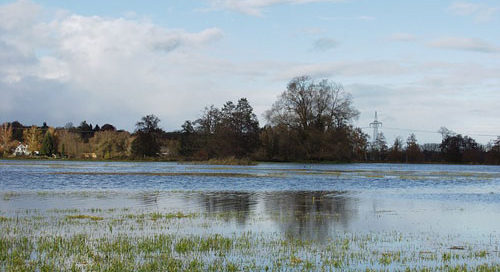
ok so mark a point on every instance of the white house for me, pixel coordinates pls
(22, 150)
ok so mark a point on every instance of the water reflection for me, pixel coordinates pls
(149, 199)
(228, 205)
(302, 214)
(310, 215)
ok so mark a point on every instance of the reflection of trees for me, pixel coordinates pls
(149, 198)
(303, 214)
(228, 205)
(309, 215)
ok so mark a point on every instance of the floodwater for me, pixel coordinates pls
(457, 204)
(356, 197)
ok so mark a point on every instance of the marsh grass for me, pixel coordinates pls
(84, 216)
(84, 251)
(9, 195)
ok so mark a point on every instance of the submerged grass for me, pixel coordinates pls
(84, 216)
(9, 195)
(135, 241)
(157, 215)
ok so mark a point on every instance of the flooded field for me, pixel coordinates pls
(107, 216)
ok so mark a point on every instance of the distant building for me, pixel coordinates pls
(22, 150)
(165, 151)
(90, 155)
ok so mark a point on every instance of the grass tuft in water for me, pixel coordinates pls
(83, 216)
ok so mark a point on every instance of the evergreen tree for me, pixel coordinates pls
(48, 147)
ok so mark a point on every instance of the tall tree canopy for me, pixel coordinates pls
(308, 104)
(86, 131)
(312, 121)
(147, 137)
(232, 130)
(457, 148)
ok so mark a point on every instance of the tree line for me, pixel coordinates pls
(454, 148)
(310, 121)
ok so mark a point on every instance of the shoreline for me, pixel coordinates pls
(235, 163)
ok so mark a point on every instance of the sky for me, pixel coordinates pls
(419, 64)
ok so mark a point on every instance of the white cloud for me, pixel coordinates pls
(348, 69)
(255, 7)
(480, 12)
(402, 37)
(67, 67)
(20, 14)
(102, 67)
(467, 44)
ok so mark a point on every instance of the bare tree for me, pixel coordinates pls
(305, 104)
(445, 132)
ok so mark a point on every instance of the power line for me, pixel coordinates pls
(435, 132)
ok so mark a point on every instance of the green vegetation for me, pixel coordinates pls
(118, 240)
(9, 195)
(48, 145)
(82, 216)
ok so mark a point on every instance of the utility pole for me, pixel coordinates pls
(375, 125)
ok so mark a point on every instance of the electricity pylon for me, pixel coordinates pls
(375, 125)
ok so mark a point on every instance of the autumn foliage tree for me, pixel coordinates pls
(111, 144)
(33, 138)
(6, 141)
(71, 145)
